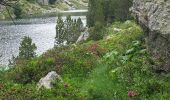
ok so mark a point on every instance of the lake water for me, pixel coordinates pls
(41, 30)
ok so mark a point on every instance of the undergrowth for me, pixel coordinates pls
(115, 68)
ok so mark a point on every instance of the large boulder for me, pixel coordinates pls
(46, 81)
(154, 17)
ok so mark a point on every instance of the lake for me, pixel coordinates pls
(41, 30)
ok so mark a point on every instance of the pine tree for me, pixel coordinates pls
(60, 32)
(91, 13)
(79, 25)
(27, 49)
(96, 12)
(104, 11)
(69, 30)
(122, 9)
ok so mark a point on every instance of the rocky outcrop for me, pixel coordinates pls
(154, 17)
(46, 81)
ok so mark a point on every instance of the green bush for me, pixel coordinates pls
(33, 71)
(97, 32)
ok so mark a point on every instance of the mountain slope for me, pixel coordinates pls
(27, 7)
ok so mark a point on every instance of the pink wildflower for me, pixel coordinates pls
(131, 93)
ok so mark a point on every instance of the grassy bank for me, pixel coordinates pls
(115, 68)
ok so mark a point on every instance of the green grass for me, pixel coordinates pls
(96, 70)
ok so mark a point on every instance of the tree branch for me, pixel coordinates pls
(8, 4)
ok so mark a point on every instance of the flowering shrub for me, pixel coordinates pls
(96, 50)
(131, 93)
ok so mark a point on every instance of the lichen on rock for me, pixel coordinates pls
(154, 17)
(46, 81)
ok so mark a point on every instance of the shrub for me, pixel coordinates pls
(33, 70)
(97, 32)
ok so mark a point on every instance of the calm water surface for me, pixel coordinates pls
(41, 30)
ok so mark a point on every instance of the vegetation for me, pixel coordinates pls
(113, 64)
(25, 8)
(27, 49)
(18, 11)
(68, 30)
(97, 32)
(105, 11)
(116, 67)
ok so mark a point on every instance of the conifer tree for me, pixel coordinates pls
(79, 25)
(122, 9)
(27, 49)
(91, 13)
(103, 11)
(96, 12)
(69, 30)
(60, 32)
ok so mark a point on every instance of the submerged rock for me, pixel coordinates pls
(46, 81)
(154, 17)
